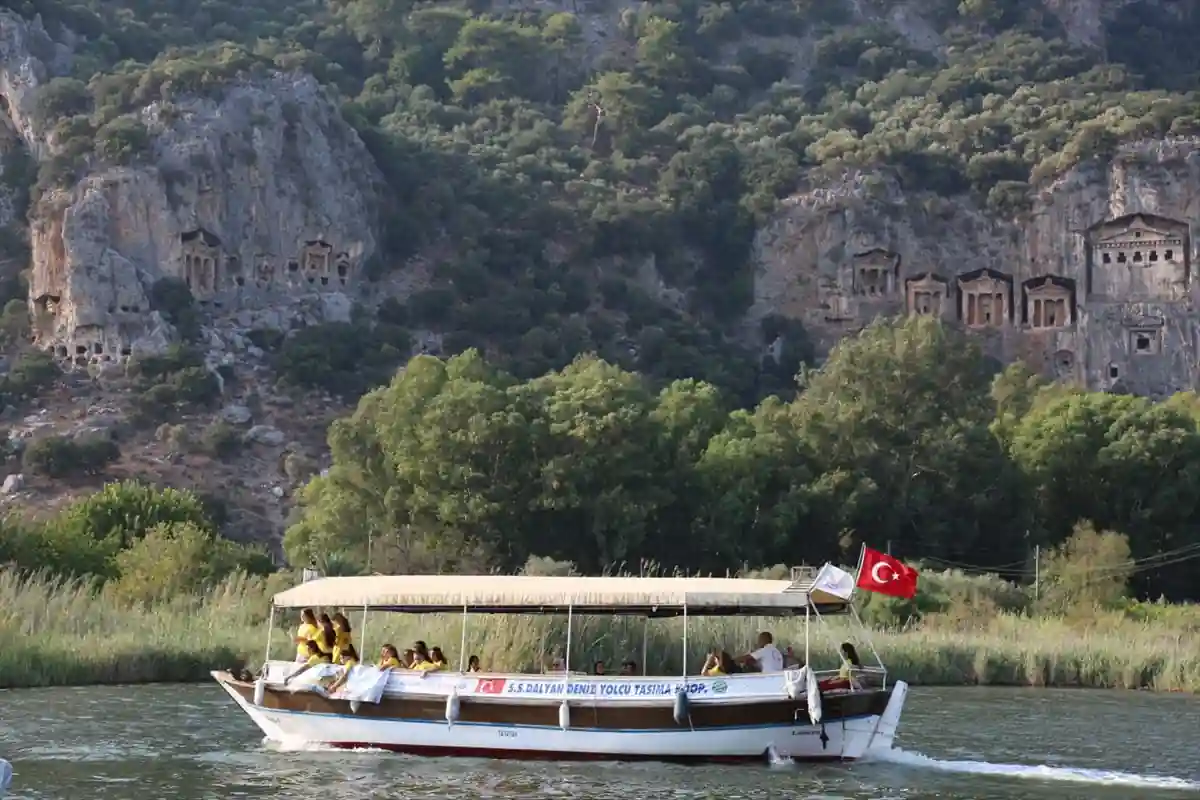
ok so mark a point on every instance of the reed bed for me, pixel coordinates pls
(55, 633)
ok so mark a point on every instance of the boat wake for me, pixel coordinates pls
(1042, 772)
(291, 745)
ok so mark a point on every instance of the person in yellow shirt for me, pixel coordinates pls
(389, 657)
(423, 664)
(342, 636)
(719, 662)
(437, 658)
(348, 661)
(326, 637)
(306, 631)
(315, 657)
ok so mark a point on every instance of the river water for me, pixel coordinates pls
(191, 743)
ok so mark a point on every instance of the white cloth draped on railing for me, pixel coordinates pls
(803, 682)
(365, 684)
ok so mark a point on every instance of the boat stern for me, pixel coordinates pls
(889, 721)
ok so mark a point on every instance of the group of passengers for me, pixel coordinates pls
(325, 639)
(768, 658)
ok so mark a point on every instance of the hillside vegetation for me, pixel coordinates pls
(543, 162)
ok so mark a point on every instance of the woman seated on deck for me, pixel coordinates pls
(423, 664)
(315, 657)
(437, 658)
(851, 664)
(349, 660)
(719, 662)
(389, 658)
(473, 664)
(305, 632)
(342, 636)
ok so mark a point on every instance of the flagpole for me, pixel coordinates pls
(862, 554)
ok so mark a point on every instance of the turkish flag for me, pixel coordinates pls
(490, 685)
(886, 575)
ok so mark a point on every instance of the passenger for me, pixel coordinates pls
(420, 648)
(307, 630)
(423, 664)
(473, 664)
(349, 656)
(789, 659)
(629, 667)
(349, 660)
(766, 658)
(315, 657)
(437, 658)
(342, 635)
(389, 658)
(850, 663)
(327, 638)
(598, 667)
(410, 658)
(719, 662)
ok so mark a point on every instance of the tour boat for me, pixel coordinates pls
(796, 713)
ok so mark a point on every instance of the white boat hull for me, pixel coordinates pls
(836, 740)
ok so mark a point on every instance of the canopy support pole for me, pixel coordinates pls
(567, 656)
(462, 650)
(807, 615)
(362, 629)
(685, 634)
(270, 630)
(645, 631)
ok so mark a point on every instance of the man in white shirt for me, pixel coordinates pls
(767, 657)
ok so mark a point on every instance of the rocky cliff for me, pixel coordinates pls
(261, 199)
(1094, 285)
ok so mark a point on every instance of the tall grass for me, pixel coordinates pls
(55, 632)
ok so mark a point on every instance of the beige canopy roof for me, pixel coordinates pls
(526, 594)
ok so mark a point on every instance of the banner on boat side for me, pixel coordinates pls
(533, 688)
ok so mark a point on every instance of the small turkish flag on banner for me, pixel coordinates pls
(886, 575)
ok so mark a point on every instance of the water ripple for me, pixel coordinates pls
(190, 743)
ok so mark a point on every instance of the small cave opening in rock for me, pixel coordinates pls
(81, 349)
(240, 281)
(98, 348)
(126, 351)
(342, 270)
(324, 281)
(293, 266)
(61, 351)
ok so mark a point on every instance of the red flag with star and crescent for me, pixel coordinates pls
(886, 575)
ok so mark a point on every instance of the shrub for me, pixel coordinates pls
(61, 457)
(173, 299)
(342, 358)
(29, 375)
(179, 558)
(125, 511)
(220, 440)
(122, 141)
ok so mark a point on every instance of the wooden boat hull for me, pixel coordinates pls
(506, 727)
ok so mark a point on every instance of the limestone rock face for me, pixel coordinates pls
(261, 201)
(1095, 285)
(28, 58)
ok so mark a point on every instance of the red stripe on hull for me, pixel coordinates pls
(547, 755)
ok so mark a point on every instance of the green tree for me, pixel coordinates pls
(906, 407)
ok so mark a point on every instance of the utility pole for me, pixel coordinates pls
(889, 547)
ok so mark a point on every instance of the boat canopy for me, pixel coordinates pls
(519, 594)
